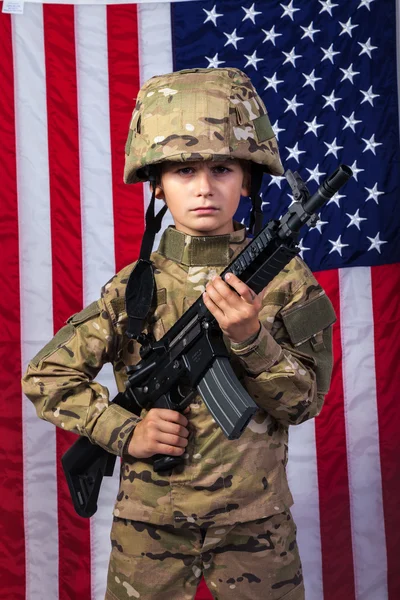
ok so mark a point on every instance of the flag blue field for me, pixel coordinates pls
(327, 74)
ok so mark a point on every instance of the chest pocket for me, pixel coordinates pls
(310, 332)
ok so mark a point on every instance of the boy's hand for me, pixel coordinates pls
(162, 431)
(236, 313)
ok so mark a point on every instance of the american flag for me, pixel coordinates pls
(327, 73)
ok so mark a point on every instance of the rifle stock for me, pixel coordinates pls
(193, 353)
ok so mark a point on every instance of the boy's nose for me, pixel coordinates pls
(204, 187)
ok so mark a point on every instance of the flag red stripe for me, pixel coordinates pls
(124, 84)
(12, 548)
(385, 300)
(333, 482)
(66, 239)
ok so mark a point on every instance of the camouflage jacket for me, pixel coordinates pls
(286, 369)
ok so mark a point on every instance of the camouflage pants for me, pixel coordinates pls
(255, 560)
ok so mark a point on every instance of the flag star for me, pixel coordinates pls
(302, 248)
(327, 6)
(369, 96)
(365, 3)
(355, 219)
(212, 15)
(329, 53)
(373, 193)
(292, 201)
(251, 13)
(276, 129)
(312, 126)
(264, 204)
(232, 38)
(315, 174)
(319, 224)
(371, 144)
(214, 62)
(273, 82)
(252, 60)
(311, 79)
(376, 243)
(350, 122)
(347, 27)
(294, 152)
(277, 179)
(332, 148)
(291, 56)
(288, 10)
(336, 199)
(367, 47)
(337, 246)
(349, 73)
(355, 170)
(309, 31)
(271, 35)
(292, 104)
(330, 100)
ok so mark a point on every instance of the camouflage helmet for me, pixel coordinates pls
(199, 114)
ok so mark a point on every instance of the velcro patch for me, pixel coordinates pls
(302, 322)
(263, 128)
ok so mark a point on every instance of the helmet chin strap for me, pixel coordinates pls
(141, 283)
(256, 215)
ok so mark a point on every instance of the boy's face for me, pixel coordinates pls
(203, 196)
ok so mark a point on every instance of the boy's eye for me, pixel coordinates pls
(221, 169)
(185, 170)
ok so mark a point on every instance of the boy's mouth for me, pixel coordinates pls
(204, 209)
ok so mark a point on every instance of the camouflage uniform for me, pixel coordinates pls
(222, 483)
(226, 511)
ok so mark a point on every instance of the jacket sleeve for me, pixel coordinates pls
(60, 380)
(287, 368)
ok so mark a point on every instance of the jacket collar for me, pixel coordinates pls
(201, 251)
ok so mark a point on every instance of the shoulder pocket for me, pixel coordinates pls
(66, 332)
(309, 329)
(303, 322)
(87, 313)
(61, 338)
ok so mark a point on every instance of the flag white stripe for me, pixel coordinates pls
(95, 149)
(39, 445)
(361, 417)
(155, 54)
(97, 225)
(303, 481)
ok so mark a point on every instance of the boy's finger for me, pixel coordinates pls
(218, 291)
(212, 307)
(241, 288)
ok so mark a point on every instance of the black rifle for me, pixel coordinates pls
(192, 354)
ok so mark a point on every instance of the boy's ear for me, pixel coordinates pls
(246, 185)
(159, 192)
(245, 189)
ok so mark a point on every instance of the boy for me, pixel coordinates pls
(201, 135)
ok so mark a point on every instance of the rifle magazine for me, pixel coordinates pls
(226, 399)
